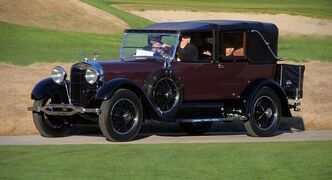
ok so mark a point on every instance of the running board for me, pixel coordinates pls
(236, 118)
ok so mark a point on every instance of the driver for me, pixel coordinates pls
(155, 45)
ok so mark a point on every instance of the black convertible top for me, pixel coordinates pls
(205, 25)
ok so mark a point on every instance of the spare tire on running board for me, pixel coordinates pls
(165, 90)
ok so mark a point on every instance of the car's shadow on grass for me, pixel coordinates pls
(288, 125)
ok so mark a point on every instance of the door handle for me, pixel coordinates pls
(220, 66)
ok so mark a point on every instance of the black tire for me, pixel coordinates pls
(165, 90)
(49, 126)
(121, 116)
(195, 128)
(265, 112)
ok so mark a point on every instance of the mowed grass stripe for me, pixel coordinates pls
(26, 45)
(283, 160)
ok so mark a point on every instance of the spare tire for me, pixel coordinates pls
(165, 90)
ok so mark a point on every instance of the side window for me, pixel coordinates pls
(203, 44)
(233, 45)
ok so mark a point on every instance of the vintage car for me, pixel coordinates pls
(193, 73)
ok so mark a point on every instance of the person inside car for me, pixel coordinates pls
(207, 48)
(186, 50)
(157, 46)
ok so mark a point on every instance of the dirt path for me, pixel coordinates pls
(288, 24)
(17, 83)
(68, 15)
(169, 138)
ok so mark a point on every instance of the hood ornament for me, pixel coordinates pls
(85, 58)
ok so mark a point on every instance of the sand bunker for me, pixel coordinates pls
(288, 24)
(17, 83)
(68, 15)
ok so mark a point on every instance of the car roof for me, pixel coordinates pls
(206, 25)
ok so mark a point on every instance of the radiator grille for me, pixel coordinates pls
(81, 91)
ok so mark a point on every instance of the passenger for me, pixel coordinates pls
(187, 51)
(207, 48)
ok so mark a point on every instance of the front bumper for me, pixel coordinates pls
(64, 110)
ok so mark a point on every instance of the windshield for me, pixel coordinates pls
(149, 45)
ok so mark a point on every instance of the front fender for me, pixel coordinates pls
(252, 89)
(110, 87)
(46, 87)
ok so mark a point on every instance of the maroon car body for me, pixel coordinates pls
(234, 77)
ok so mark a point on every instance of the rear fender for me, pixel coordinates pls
(253, 88)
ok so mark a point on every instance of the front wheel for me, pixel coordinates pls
(49, 126)
(121, 116)
(265, 112)
(195, 128)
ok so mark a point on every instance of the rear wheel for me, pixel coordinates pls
(49, 126)
(265, 113)
(121, 116)
(195, 128)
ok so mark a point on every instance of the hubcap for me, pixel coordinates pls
(124, 116)
(265, 112)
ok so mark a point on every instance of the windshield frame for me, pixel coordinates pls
(177, 38)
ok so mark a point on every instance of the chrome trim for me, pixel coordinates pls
(96, 66)
(67, 91)
(122, 44)
(64, 74)
(230, 118)
(67, 109)
(267, 44)
(99, 69)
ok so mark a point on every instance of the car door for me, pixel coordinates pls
(235, 71)
(199, 76)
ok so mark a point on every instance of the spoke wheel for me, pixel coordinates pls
(165, 95)
(265, 113)
(121, 116)
(124, 116)
(165, 90)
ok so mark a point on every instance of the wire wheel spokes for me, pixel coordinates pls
(165, 95)
(124, 116)
(265, 112)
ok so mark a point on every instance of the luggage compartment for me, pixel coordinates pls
(290, 78)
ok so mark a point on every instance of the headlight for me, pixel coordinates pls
(91, 75)
(59, 74)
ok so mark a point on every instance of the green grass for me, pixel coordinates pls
(305, 48)
(25, 45)
(132, 20)
(287, 160)
(317, 8)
